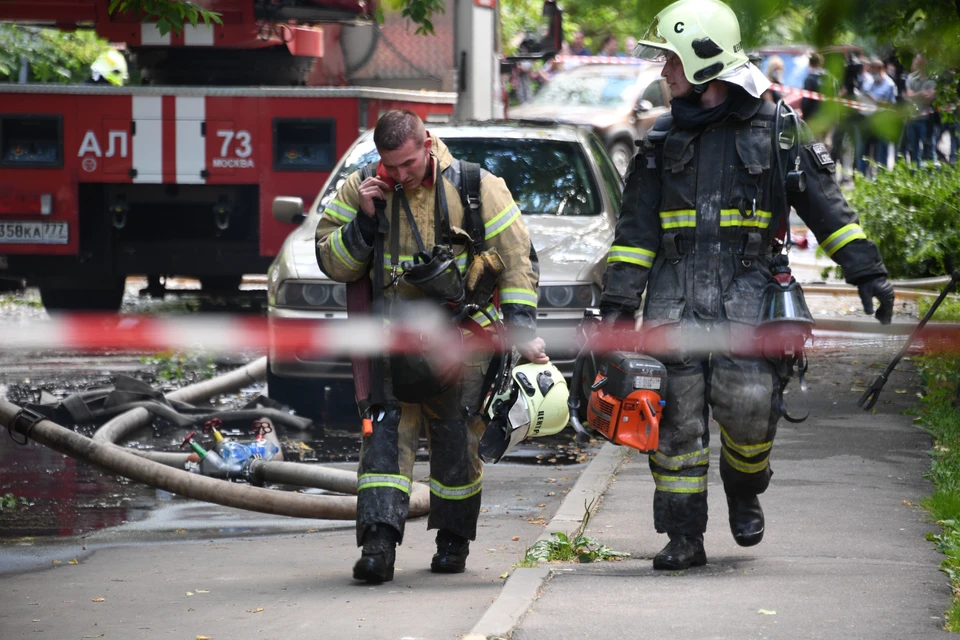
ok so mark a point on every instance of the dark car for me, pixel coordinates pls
(620, 102)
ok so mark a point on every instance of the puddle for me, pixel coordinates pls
(53, 495)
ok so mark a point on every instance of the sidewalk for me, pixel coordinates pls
(844, 554)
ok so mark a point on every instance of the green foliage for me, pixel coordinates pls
(912, 216)
(53, 56)
(19, 300)
(580, 548)
(10, 502)
(176, 366)
(170, 15)
(948, 311)
(941, 420)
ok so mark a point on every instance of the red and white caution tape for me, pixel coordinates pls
(866, 107)
(365, 336)
(568, 60)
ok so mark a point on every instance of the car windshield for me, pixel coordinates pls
(596, 89)
(550, 177)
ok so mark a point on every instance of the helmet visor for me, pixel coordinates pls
(648, 48)
(652, 54)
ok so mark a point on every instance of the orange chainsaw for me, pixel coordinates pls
(624, 402)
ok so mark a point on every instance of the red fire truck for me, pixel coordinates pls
(177, 176)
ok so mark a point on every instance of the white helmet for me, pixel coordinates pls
(110, 66)
(533, 404)
(705, 34)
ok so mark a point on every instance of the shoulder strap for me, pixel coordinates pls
(657, 136)
(782, 158)
(466, 176)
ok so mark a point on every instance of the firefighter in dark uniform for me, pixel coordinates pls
(414, 167)
(697, 228)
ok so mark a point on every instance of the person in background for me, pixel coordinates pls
(922, 131)
(578, 47)
(883, 92)
(110, 67)
(813, 82)
(629, 44)
(775, 75)
(610, 47)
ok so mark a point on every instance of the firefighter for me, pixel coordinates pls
(701, 208)
(110, 67)
(417, 178)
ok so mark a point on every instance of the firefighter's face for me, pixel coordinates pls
(680, 87)
(408, 164)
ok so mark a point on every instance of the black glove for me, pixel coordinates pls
(881, 289)
(611, 316)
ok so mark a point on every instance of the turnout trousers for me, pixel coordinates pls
(742, 392)
(453, 435)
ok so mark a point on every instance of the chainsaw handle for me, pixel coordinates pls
(650, 414)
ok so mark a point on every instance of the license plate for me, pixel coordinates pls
(646, 382)
(34, 232)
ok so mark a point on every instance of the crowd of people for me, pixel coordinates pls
(884, 84)
(878, 84)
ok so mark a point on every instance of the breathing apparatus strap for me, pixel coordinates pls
(470, 177)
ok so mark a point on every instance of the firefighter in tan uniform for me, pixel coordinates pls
(418, 179)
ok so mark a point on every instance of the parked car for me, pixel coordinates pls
(564, 183)
(619, 101)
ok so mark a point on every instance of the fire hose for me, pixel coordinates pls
(104, 454)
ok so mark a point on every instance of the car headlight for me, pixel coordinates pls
(312, 295)
(568, 297)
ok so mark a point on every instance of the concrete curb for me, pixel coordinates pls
(523, 586)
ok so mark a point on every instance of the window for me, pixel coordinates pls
(544, 176)
(654, 93)
(31, 142)
(304, 144)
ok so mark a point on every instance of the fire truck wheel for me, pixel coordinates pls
(307, 396)
(83, 299)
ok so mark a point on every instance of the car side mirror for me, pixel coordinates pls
(288, 209)
(643, 105)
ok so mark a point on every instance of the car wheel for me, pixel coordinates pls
(621, 152)
(306, 396)
(83, 299)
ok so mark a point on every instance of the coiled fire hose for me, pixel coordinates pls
(102, 453)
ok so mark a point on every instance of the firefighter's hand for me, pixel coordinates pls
(370, 189)
(535, 351)
(881, 289)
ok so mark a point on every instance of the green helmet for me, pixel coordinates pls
(705, 35)
(534, 404)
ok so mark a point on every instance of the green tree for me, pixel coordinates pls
(53, 56)
(169, 15)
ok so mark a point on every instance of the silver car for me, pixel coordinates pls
(564, 183)
(619, 101)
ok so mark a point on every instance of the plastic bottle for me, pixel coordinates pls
(261, 446)
(234, 452)
(230, 450)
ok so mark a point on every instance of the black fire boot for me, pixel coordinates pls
(682, 552)
(746, 519)
(379, 555)
(452, 552)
